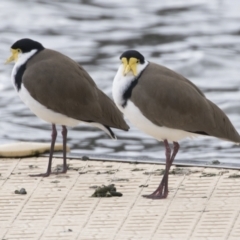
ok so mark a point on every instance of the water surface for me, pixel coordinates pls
(199, 39)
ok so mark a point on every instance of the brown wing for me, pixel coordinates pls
(52, 76)
(168, 99)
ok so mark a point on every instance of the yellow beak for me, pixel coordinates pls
(13, 57)
(130, 66)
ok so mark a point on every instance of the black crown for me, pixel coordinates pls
(26, 45)
(133, 54)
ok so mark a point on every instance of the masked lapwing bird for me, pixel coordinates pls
(60, 91)
(166, 106)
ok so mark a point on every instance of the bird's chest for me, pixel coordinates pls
(120, 86)
(119, 89)
(14, 74)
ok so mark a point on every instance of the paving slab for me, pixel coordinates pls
(203, 203)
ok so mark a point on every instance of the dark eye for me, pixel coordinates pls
(19, 50)
(137, 61)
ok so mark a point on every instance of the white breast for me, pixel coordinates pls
(135, 116)
(120, 84)
(44, 113)
(132, 112)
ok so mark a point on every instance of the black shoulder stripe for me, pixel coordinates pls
(18, 76)
(128, 92)
(20, 72)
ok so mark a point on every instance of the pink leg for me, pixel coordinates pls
(162, 190)
(54, 136)
(64, 134)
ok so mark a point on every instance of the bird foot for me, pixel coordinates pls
(40, 174)
(160, 193)
(155, 196)
(48, 173)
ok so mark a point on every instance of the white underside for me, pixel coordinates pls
(160, 133)
(50, 116)
(44, 113)
(135, 116)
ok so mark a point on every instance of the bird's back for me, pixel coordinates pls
(168, 99)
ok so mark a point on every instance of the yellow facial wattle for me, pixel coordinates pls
(130, 65)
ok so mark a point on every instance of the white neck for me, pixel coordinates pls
(121, 82)
(22, 59)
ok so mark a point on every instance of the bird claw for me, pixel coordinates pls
(156, 196)
(40, 174)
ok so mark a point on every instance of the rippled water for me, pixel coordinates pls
(199, 39)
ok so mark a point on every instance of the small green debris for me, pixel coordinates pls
(116, 194)
(223, 172)
(107, 172)
(137, 169)
(70, 230)
(58, 168)
(120, 180)
(109, 166)
(83, 172)
(106, 191)
(55, 181)
(111, 171)
(148, 173)
(208, 174)
(158, 172)
(22, 191)
(75, 168)
(62, 176)
(69, 167)
(32, 166)
(94, 186)
(182, 171)
(204, 197)
(234, 176)
(85, 158)
(143, 185)
(215, 162)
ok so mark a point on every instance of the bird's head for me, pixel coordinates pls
(23, 46)
(131, 60)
